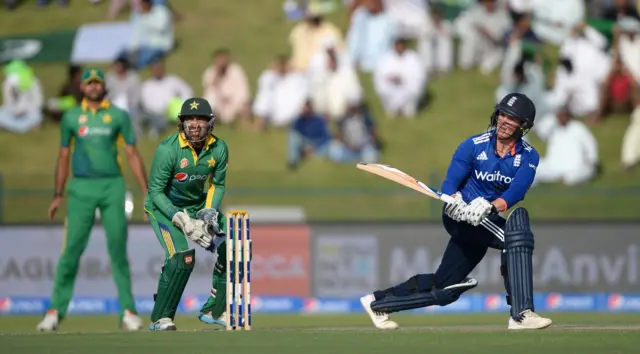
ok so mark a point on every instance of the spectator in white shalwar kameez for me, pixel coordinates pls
(481, 29)
(281, 95)
(400, 80)
(22, 98)
(413, 21)
(583, 67)
(553, 20)
(371, 34)
(572, 153)
(439, 55)
(335, 89)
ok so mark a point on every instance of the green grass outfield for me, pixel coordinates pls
(256, 31)
(571, 333)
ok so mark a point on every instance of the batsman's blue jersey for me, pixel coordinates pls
(476, 170)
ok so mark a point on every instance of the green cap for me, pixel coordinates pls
(196, 107)
(92, 74)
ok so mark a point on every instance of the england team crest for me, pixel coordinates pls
(184, 163)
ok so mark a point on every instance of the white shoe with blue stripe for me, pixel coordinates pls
(163, 324)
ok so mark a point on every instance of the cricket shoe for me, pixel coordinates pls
(380, 320)
(163, 324)
(206, 317)
(530, 320)
(130, 322)
(50, 322)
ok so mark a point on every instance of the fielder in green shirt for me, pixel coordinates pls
(186, 186)
(89, 136)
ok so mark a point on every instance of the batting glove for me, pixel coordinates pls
(454, 208)
(478, 209)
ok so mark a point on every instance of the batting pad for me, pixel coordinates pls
(519, 245)
(173, 280)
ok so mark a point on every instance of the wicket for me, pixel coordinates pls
(238, 244)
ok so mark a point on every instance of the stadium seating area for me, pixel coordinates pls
(305, 89)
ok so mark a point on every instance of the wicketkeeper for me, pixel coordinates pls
(89, 135)
(180, 209)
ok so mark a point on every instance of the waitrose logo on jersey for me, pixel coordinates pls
(496, 176)
(185, 177)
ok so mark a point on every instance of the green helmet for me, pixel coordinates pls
(195, 107)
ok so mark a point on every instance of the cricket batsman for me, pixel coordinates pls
(89, 133)
(180, 208)
(489, 173)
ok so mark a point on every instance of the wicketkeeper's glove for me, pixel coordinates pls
(195, 230)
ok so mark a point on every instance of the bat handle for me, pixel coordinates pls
(446, 198)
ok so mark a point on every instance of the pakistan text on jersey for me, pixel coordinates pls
(84, 131)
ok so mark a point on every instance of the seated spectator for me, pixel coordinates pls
(413, 21)
(116, 7)
(616, 92)
(308, 37)
(69, 95)
(153, 35)
(626, 41)
(630, 153)
(554, 20)
(370, 35)
(583, 68)
(523, 73)
(400, 80)
(519, 9)
(123, 87)
(357, 138)
(333, 90)
(156, 93)
(319, 64)
(571, 154)
(22, 99)
(481, 29)
(226, 87)
(439, 54)
(281, 95)
(309, 135)
(620, 9)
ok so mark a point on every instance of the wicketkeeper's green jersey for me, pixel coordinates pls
(178, 176)
(93, 136)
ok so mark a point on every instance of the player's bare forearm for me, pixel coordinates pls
(137, 166)
(62, 170)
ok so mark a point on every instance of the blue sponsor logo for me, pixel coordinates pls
(276, 304)
(23, 305)
(622, 302)
(570, 302)
(86, 305)
(314, 305)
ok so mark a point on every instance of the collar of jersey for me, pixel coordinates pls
(103, 105)
(517, 147)
(184, 143)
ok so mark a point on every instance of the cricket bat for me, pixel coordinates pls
(403, 178)
(406, 180)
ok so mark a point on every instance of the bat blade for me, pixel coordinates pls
(401, 177)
